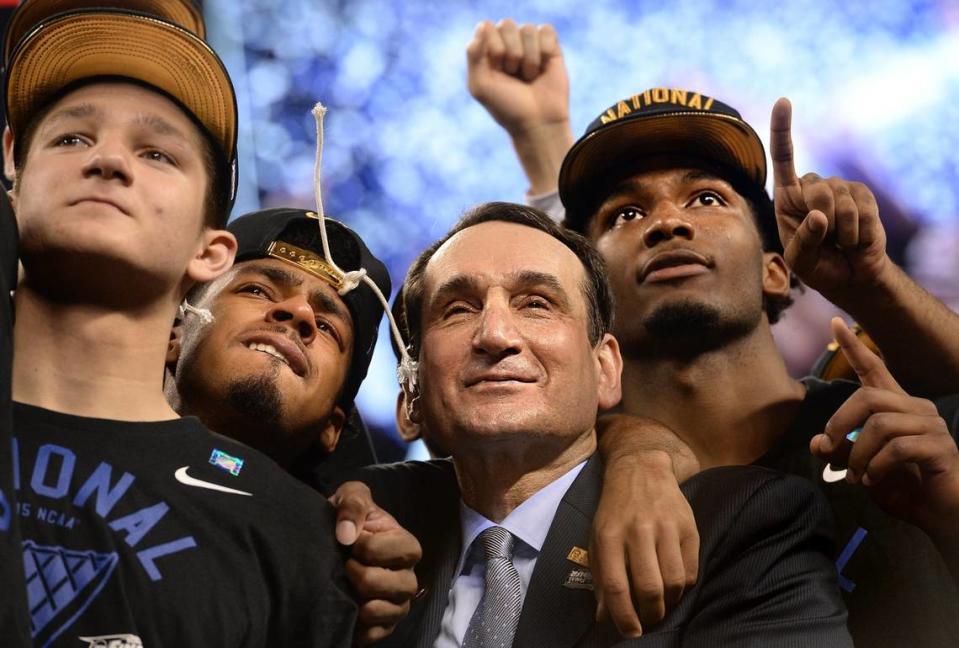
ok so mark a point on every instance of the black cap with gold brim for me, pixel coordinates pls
(267, 234)
(30, 13)
(92, 43)
(660, 122)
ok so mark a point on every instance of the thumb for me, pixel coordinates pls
(354, 503)
(802, 250)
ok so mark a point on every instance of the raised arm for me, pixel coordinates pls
(835, 242)
(517, 73)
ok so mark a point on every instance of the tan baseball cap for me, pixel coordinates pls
(30, 13)
(115, 43)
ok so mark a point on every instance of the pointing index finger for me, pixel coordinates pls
(781, 144)
(868, 366)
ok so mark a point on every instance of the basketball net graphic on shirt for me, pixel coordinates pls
(61, 584)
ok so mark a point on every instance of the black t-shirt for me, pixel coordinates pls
(171, 535)
(13, 610)
(324, 471)
(897, 587)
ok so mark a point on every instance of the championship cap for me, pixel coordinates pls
(91, 43)
(30, 13)
(293, 236)
(658, 122)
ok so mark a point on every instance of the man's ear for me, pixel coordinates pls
(411, 398)
(609, 364)
(408, 430)
(776, 275)
(174, 346)
(330, 434)
(213, 257)
(9, 169)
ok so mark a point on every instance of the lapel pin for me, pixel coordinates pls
(578, 556)
(579, 579)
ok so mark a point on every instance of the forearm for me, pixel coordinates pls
(626, 438)
(541, 150)
(917, 334)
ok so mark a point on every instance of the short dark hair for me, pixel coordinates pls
(760, 206)
(764, 216)
(596, 290)
(217, 199)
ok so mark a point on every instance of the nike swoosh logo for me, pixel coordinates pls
(829, 475)
(184, 478)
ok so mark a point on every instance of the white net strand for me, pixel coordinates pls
(407, 369)
(186, 307)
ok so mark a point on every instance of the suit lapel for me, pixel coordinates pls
(436, 597)
(554, 615)
(437, 526)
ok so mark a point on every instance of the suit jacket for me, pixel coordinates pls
(766, 577)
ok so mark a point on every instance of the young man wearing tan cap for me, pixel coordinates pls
(669, 184)
(139, 526)
(13, 615)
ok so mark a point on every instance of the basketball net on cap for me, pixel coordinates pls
(406, 371)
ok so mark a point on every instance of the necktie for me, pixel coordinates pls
(494, 622)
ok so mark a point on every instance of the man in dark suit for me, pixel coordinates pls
(508, 316)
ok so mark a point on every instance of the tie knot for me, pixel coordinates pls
(497, 542)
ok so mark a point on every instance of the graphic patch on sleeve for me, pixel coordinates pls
(232, 465)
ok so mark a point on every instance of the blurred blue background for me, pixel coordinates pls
(874, 85)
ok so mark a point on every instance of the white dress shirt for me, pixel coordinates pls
(529, 522)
